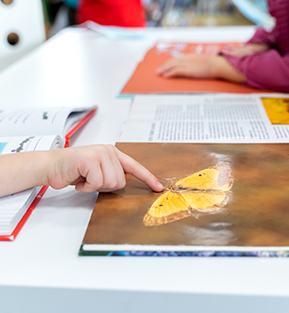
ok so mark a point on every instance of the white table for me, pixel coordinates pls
(41, 270)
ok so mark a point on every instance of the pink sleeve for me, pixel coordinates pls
(261, 36)
(268, 70)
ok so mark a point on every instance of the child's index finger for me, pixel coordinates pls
(134, 168)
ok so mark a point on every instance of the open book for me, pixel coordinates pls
(219, 200)
(224, 163)
(219, 118)
(31, 130)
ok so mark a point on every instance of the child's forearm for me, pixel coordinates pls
(89, 168)
(22, 171)
(221, 68)
(201, 66)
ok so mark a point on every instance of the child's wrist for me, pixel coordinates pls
(215, 66)
(222, 69)
(47, 166)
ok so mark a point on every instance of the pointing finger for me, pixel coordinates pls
(134, 168)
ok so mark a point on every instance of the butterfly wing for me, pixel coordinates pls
(217, 177)
(205, 201)
(171, 206)
(167, 208)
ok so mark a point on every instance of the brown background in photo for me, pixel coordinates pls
(257, 213)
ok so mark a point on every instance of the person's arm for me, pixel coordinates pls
(89, 168)
(268, 70)
(219, 66)
(263, 37)
(201, 66)
(248, 49)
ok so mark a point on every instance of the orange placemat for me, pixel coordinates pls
(145, 80)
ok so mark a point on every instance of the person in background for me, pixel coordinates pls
(125, 13)
(263, 62)
(89, 168)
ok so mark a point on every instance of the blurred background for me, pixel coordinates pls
(174, 13)
(25, 24)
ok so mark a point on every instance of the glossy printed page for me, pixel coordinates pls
(236, 196)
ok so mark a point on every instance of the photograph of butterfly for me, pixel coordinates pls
(216, 196)
(204, 191)
(277, 110)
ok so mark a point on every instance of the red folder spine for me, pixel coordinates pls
(16, 230)
(77, 127)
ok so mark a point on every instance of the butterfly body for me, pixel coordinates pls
(203, 191)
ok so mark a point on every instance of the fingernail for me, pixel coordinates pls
(160, 185)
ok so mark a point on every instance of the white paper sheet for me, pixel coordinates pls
(215, 118)
(51, 121)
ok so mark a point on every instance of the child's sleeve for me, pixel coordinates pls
(268, 70)
(261, 36)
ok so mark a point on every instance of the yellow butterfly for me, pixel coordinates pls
(203, 191)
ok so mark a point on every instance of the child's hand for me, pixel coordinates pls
(249, 49)
(189, 65)
(201, 66)
(97, 167)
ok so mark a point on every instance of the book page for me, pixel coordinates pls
(219, 199)
(51, 121)
(13, 207)
(218, 118)
(29, 143)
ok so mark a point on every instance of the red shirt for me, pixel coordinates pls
(126, 13)
(269, 70)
